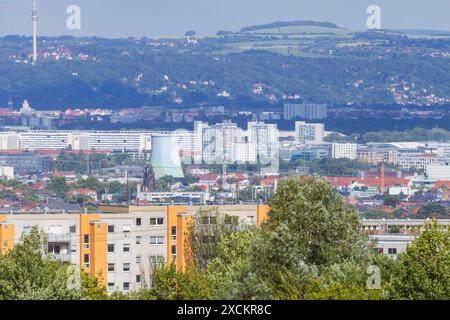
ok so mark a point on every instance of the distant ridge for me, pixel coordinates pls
(424, 32)
(297, 23)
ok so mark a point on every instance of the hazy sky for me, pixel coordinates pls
(156, 18)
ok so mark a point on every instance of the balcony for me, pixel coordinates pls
(58, 237)
(61, 257)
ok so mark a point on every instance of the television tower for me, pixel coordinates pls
(34, 19)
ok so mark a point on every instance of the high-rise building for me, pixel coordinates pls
(264, 139)
(220, 143)
(344, 150)
(226, 143)
(307, 111)
(309, 132)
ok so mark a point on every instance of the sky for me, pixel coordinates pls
(172, 18)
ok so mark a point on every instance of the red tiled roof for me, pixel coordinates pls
(209, 177)
(82, 191)
(441, 183)
(269, 181)
(5, 202)
(64, 173)
(11, 151)
(38, 185)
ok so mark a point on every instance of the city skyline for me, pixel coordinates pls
(150, 19)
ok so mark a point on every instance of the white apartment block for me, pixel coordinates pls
(9, 141)
(264, 137)
(309, 132)
(219, 142)
(122, 243)
(344, 150)
(117, 141)
(227, 143)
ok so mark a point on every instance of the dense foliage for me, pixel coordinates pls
(135, 72)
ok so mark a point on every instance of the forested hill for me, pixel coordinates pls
(309, 63)
(282, 24)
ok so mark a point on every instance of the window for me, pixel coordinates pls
(126, 267)
(231, 220)
(111, 229)
(27, 230)
(111, 267)
(126, 228)
(156, 259)
(156, 240)
(86, 241)
(392, 251)
(138, 221)
(138, 278)
(174, 252)
(156, 221)
(174, 233)
(138, 259)
(86, 260)
(126, 286)
(111, 286)
(73, 248)
(210, 220)
(111, 248)
(73, 229)
(126, 247)
(138, 240)
(53, 248)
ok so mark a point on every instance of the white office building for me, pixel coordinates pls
(438, 171)
(344, 150)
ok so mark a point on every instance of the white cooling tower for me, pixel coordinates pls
(165, 156)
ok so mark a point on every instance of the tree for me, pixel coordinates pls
(309, 227)
(231, 274)
(163, 184)
(28, 274)
(343, 281)
(425, 267)
(337, 167)
(58, 186)
(392, 201)
(432, 210)
(92, 183)
(168, 284)
(206, 231)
